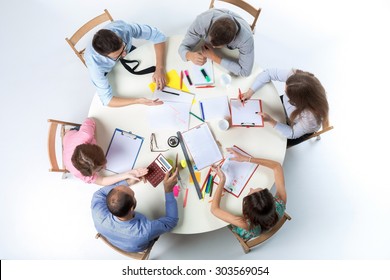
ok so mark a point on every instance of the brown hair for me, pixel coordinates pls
(105, 42)
(119, 202)
(222, 32)
(260, 210)
(87, 158)
(307, 93)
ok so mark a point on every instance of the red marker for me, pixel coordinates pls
(240, 97)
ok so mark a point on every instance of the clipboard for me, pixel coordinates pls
(123, 150)
(244, 115)
(237, 173)
(202, 146)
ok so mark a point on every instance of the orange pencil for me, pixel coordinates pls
(185, 198)
(240, 96)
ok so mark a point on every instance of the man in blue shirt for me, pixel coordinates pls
(114, 216)
(113, 43)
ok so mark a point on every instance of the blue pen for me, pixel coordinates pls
(201, 110)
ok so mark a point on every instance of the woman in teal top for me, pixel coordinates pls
(260, 209)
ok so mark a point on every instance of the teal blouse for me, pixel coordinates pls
(248, 234)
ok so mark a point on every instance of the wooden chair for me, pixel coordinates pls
(76, 37)
(144, 255)
(51, 144)
(247, 245)
(254, 12)
(324, 128)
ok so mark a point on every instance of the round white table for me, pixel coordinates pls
(264, 142)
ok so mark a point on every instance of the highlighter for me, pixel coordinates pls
(205, 75)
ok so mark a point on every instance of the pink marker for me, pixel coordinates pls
(176, 190)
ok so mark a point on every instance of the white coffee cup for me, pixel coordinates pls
(223, 124)
(225, 80)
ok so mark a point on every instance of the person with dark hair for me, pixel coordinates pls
(304, 102)
(113, 212)
(219, 28)
(260, 209)
(84, 159)
(113, 43)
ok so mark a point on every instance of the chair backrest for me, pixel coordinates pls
(84, 30)
(247, 245)
(254, 12)
(144, 255)
(325, 127)
(51, 143)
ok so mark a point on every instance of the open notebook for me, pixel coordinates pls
(202, 75)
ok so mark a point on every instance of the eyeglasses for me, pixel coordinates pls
(153, 142)
(119, 56)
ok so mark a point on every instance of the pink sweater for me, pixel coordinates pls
(73, 138)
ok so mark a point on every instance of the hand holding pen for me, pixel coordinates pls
(246, 95)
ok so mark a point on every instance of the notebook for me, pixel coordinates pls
(157, 170)
(202, 146)
(123, 150)
(246, 114)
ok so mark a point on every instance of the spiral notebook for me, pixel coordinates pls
(123, 151)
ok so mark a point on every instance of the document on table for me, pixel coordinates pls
(123, 151)
(174, 114)
(215, 108)
(246, 114)
(202, 146)
(237, 173)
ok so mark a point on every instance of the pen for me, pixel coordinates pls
(188, 77)
(181, 79)
(201, 109)
(205, 86)
(196, 117)
(174, 93)
(205, 75)
(240, 97)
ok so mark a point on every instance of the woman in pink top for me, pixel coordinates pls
(84, 159)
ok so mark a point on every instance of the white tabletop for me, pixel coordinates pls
(259, 142)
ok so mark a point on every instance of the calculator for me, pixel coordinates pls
(157, 170)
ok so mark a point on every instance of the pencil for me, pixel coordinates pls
(185, 199)
(196, 117)
(205, 86)
(181, 79)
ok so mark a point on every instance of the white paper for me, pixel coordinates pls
(246, 115)
(215, 108)
(202, 146)
(196, 75)
(174, 114)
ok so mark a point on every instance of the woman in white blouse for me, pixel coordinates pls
(304, 101)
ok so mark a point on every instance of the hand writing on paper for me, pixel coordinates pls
(196, 58)
(247, 95)
(267, 118)
(150, 102)
(159, 78)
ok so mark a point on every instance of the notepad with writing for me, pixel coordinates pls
(202, 146)
(123, 151)
(237, 173)
(246, 114)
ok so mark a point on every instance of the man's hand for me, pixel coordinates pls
(196, 58)
(170, 180)
(159, 78)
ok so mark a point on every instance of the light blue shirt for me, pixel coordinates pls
(305, 123)
(243, 41)
(133, 235)
(99, 65)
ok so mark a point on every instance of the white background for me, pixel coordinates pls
(337, 188)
